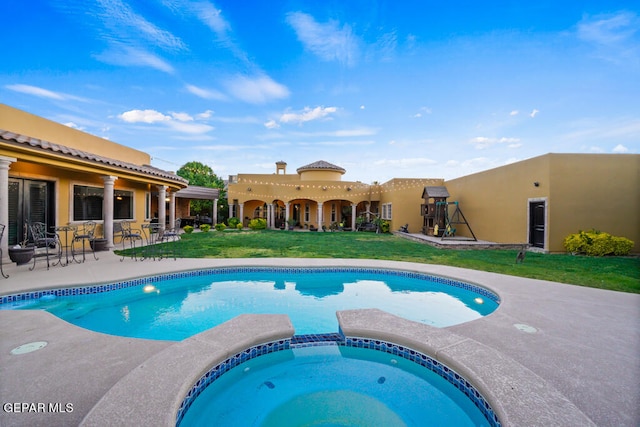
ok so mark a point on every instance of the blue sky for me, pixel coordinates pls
(384, 89)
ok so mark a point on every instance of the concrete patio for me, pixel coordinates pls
(574, 350)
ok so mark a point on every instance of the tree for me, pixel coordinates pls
(203, 176)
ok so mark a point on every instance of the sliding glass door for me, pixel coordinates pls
(29, 201)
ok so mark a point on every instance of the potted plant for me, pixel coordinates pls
(23, 252)
(98, 243)
(291, 222)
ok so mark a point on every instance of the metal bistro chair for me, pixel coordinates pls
(171, 235)
(85, 234)
(2, 227)
(43, 239)
(132, 235)
(152, 233)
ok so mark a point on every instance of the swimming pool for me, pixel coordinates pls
(333, 380)
(176, 306)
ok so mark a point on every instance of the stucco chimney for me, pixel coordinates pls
(281, 166)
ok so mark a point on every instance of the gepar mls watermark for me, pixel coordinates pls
(39, 407)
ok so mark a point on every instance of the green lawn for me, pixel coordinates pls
(613, 273)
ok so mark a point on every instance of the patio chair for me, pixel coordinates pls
(171, 235)
(2, 227)
(85, 234)
(152, 233)
(47, 243)
(133, 235)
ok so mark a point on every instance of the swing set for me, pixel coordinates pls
(450, 221)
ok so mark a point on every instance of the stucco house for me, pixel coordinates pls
(57, 175)
(316, 197)
(538, 201)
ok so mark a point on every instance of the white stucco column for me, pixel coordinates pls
(162, 205)
(4, 201)
(353, 216)
(231, 210)
(107, 209)
(214, 214)
(286, 212)
(241, 215)
(320, 216)
(172, 209)
(368, 212)
(269, 216)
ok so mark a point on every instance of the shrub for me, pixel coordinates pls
(220, 226)
(205, 228)
(384, 226)
(239, 226)
(188, 229)
(258, 224)
(621, 245)
(233, 222)
(596, 243)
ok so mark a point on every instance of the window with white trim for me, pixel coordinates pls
(88, 201)
(307, 212)
(386, 211)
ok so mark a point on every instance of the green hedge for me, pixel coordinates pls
(220, 226)
(258, 224)
(597, 243)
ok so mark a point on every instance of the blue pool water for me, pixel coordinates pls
(178, 307)
(331, 386)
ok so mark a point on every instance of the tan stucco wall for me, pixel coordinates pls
(24, 123)
(290, 187)
(405, 196)
(320, 175)
(595, 191)
(582, 191)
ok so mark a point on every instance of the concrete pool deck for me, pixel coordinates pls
(574, 350)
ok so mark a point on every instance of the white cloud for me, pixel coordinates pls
(271, 124)
(118, 17)
(44, 93)
(180, 122)
(205, 93)
(190, 128)
(608, 29)
(329, 41)
(482, 142)
(204, 115)
(514, 113)
(182, 117)
(256, 90)
(362, 107)
(128, 56)
(143, 116)
(307, 114)
(36, 91)
(73, 125)
(212, 17)
(620, 149)
(534, 113)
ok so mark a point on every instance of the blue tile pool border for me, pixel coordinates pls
(315, 340)
(107, 287)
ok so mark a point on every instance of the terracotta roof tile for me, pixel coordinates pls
(84, 155)
(321, 165)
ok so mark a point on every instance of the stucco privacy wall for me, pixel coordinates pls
(24, 123)
(595, 191)
(405, 196)
(581, 191)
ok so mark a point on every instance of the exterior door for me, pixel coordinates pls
(29, 201)
(536, 224)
